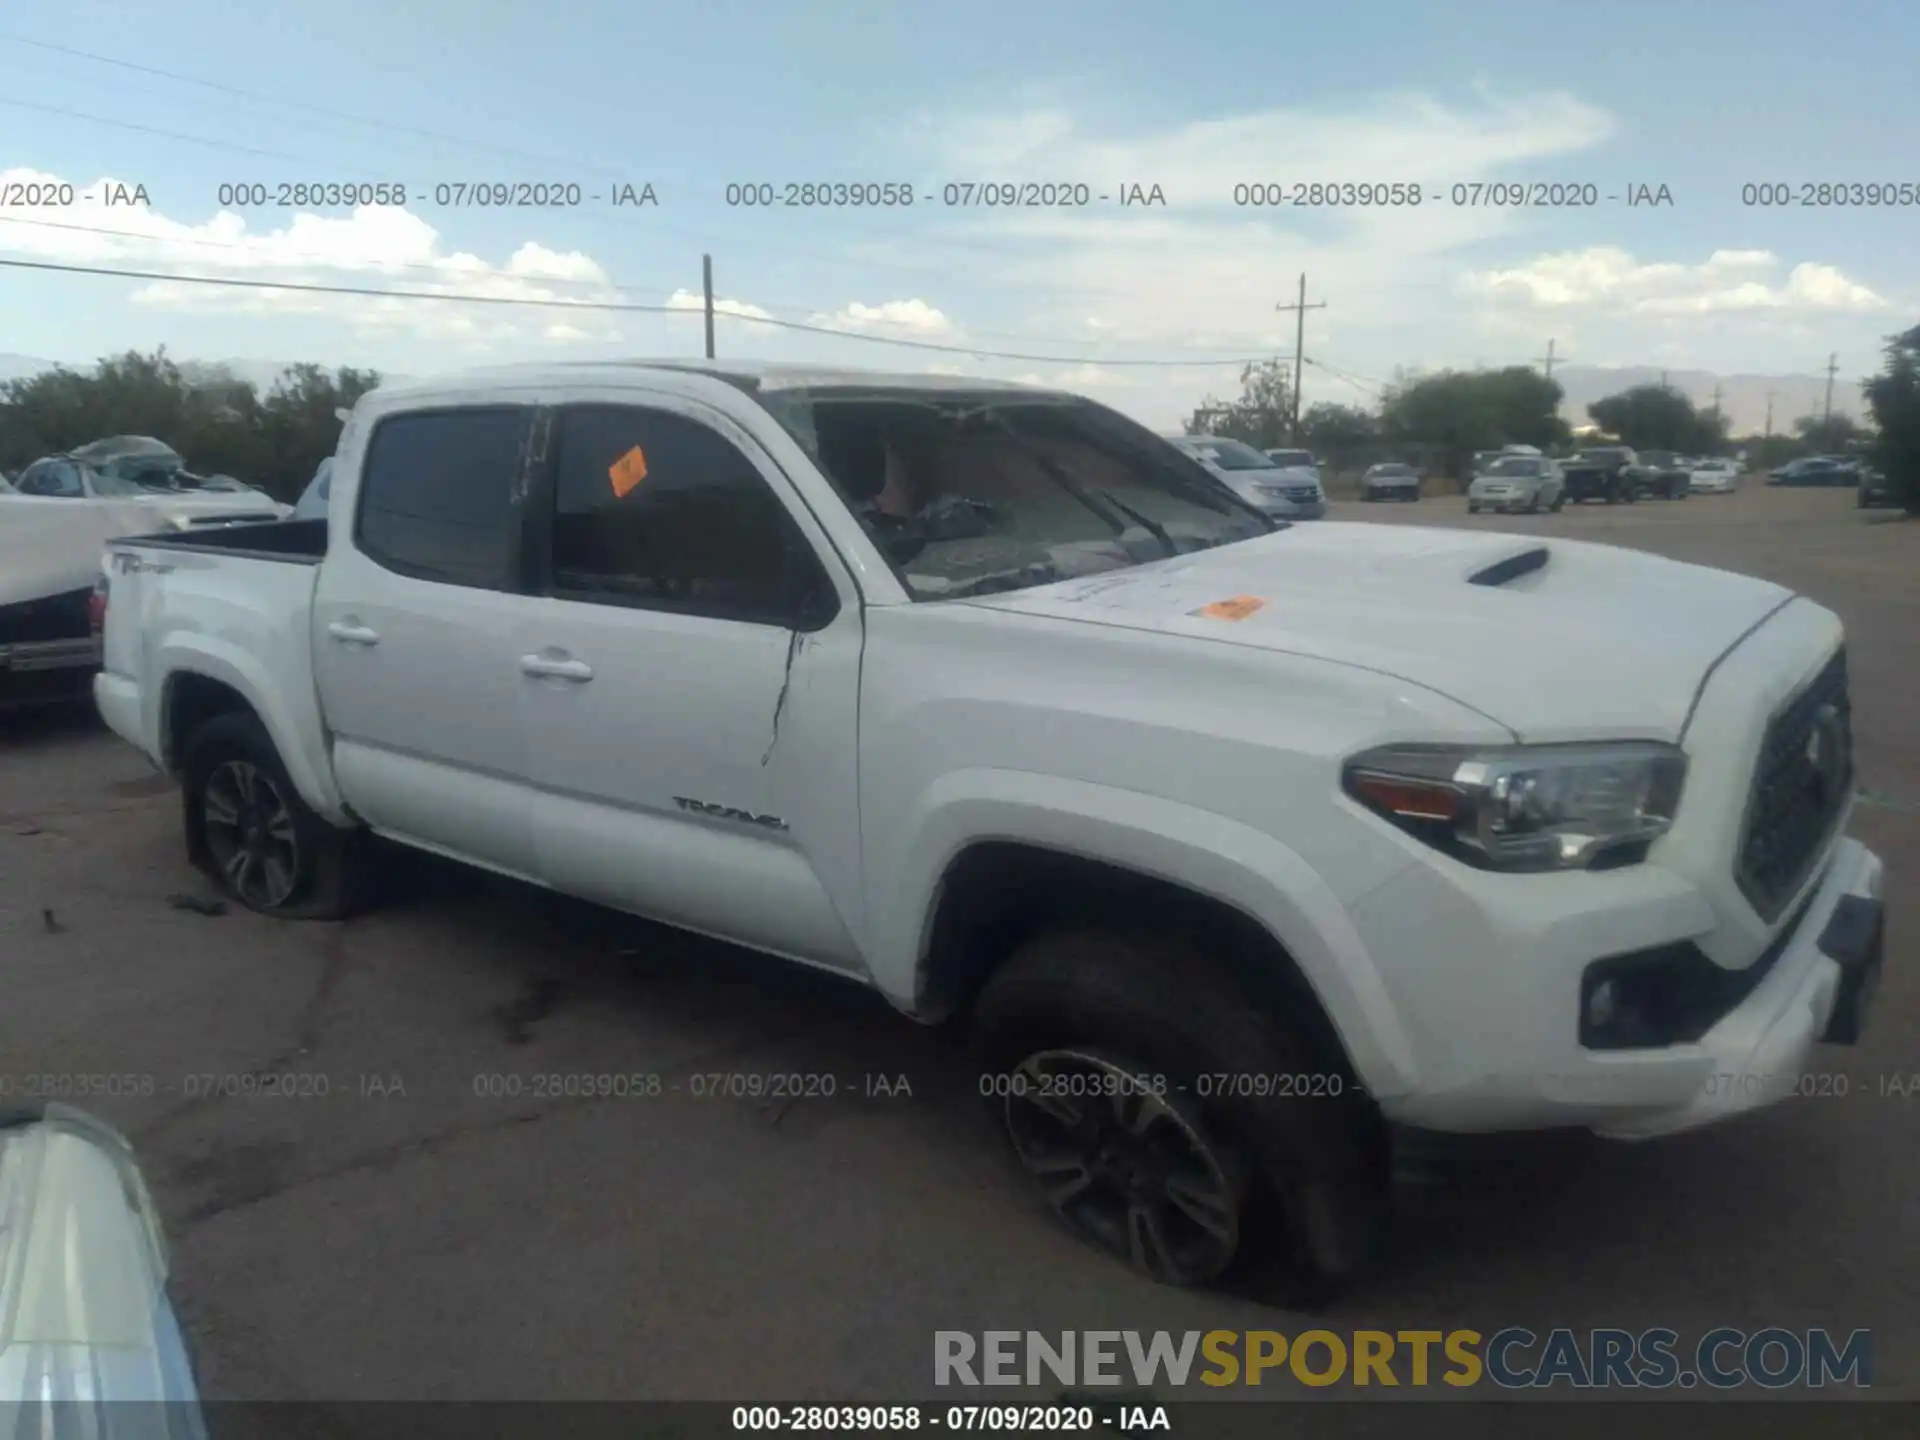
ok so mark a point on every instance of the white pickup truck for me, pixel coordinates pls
(1237, 844)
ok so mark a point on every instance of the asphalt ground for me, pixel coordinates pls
(371, 1194)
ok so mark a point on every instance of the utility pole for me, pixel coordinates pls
(1769, 415)
(1716, 400)
(1663, 379)
(706, 277)
(1547, 359)
(1300, 307)
(1833, 364)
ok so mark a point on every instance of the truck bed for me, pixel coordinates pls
(232, 604)
(302, 542)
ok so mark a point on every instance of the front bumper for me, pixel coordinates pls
(1508, 500)
(1526, 1069)
(1291, 509)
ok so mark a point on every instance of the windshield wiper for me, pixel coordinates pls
(1099, 501)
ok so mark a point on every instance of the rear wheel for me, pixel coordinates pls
(1558, 501)
(1117, 1061)
(251, 833)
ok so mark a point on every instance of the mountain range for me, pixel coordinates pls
(1743, 399)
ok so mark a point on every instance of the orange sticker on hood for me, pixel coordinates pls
(1238, 608)
(628, 471)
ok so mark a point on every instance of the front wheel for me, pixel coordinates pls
(1117, 1062)
(1472, 509)
(1558, 501)
(248, 829)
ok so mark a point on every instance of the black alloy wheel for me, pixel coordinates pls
(1125, 1167)
(250, 834)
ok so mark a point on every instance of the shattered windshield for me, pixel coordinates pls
(972, 493)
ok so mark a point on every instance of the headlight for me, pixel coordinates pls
(1527, 807)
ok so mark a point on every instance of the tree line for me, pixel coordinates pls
(223, 424)
(1438, 422)
(220, 423)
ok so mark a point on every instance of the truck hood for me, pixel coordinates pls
(1554, 639)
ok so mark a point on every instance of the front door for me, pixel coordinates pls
(690, 682)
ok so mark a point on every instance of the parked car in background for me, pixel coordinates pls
(1390, 481)
(1444, 826)
(53, 525)
(1301, 460)
(71, 477)
(1874, 489)
(1601, 472)
(1661, 474)
(1818, 470)
(1517, 482)
(1251, 474)
(1714, 475)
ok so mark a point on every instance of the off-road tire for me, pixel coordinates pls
(1312, 1168)
(331, 874)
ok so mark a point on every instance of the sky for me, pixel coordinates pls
(1152, 307)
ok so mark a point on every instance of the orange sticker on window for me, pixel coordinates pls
(628, 471)
(1238, 608)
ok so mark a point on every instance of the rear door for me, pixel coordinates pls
(414, 622)
(690, 682)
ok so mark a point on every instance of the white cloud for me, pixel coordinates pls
(1728, 280)
(375, 247)
(915, 315)
(696, 303)
(1201, 273)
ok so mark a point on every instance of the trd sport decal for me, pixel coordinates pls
(729, 812)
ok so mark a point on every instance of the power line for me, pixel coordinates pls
(1341, 375)
(332, 262)
(258, 95)
(152, 130)
(621, 307)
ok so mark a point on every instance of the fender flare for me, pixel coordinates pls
(297, 738)
(1214, 856)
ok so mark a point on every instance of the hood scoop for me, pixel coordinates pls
(1502, 572)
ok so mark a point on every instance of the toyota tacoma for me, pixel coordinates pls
(1234, 845)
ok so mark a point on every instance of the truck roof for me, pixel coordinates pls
(767, 375)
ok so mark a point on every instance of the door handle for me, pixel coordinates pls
(577, 671)
(353, 634)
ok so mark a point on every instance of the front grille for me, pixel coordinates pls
(1801, 783)
(1305, 494)
(55, 617)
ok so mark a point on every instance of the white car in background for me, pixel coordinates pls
(1714, 476)
(1517, 482)
(1276, 490)
(55, 521)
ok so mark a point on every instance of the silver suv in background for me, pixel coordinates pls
(1302, 460)
(1517, 482)
(1276, 490)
